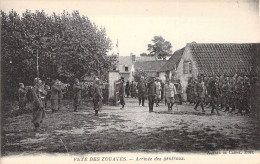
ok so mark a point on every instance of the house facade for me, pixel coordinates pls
(211, 59)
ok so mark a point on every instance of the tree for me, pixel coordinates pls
(143, 54)
(67, 44)
(160, 48)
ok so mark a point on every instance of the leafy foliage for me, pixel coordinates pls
(68, 45)
(160, 47)
(140, 73)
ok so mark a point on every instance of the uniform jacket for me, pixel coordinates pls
(151, 89)
(22, 94)
(55, 91)
(169, 90)
(77, 91)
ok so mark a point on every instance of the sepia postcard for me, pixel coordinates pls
(117, 81)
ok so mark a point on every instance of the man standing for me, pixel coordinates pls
(141, 91)
(22, 91)
(55, 91)
(151, 91)
(158, 92)
(76, 94)
(133, 90)
(200, 92)
(127, 89)
(97, 97)
(38, 109)
(169, 93)
(162, 90)
(122, 93)
(179, 91)
(214, 94)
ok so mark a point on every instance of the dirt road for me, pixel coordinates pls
(133, 129)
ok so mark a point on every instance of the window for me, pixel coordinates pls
(126, 69)
(187, 67)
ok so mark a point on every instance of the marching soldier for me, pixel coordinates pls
(231, 92)
(55, 92)
(214, 94)
(22, 91)
(133, 90)
(97, 97)
(141, 91)
(77, 89)
(151, 92)
(158, 92)
(38, 109)
(179, 91)
(246, 95)
(225, 94)
(200, 92)
(127, 89)
(169, 93)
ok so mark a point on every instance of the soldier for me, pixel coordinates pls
(231, 92)
(22, 91)
(122, 93)
(239, 95)
(55, 91)
(48, 95)
(77, 89)
(246, 95)
(133, 90)
(225, 94)
(158, 92)
(38, 109)
(151, 92)
(97, 96)
(141, 91)
(214, 94)
(162, 90)
(127, 89)
(169, 93)
(200, 92)
(179, 91)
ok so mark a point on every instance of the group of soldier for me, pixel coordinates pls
(42, 93)
(224, 93)
(155, 91)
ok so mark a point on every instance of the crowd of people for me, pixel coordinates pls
(42, 94)
(153, 90)
(224, 93)
(219, 93)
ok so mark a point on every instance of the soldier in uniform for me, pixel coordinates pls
(200, 92)
(77, 89)
(214, 94)
(225, 94)
(122, 93)
(231, 92)
(179, 91)
(169, 93)
(246, 95)
(239, 95)
(22, 91)
(162, 90)
(133, 90)
(55, 91)
(127, 89)
(151, 92)
(158, 92)
(97, 96)
(141, 91)
(38, 108)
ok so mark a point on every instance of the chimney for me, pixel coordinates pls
(132, 57)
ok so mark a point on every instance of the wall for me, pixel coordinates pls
(112, 77)
(187, 56)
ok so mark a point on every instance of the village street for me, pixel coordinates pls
(133, 129)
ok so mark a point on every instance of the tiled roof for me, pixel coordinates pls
(174, 59)
(145, 58)
(149, 66)
(217, 59)
(124, 60)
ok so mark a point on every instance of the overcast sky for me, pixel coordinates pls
(134, 23)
